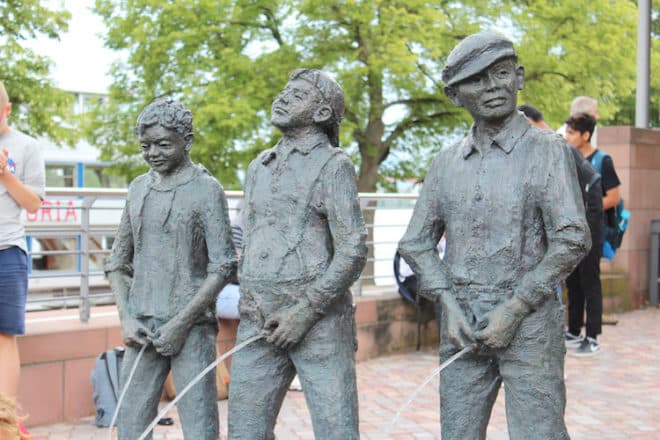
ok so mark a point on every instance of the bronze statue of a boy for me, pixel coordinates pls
(172, 254)
(304, 245)
(508, 199)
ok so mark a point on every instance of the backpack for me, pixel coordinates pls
(407, 287)
(616, 218)
(105, 384)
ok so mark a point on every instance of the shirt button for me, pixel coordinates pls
(264, 255)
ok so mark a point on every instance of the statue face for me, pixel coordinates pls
(491, 94)
(295, 106)
(163, 149)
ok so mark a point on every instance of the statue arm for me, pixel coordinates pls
(418, 247)
(119, 266)
(566, 229)
(348, 232)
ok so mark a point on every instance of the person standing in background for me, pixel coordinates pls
(22, 186)
(584, 287)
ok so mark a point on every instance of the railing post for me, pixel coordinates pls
(84, 263)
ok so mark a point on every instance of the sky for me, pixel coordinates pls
(80, 62)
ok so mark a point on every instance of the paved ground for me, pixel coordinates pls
(614, 395)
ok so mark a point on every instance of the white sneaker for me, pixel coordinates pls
(572, 341)
(588, 347)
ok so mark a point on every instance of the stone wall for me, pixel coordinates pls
(636, 155)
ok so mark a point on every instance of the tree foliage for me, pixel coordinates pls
(625, 114)
(227, 60)
(38, 107)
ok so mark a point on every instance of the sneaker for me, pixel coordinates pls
(572, 341)
(588, 347)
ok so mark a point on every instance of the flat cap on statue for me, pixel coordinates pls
(474, 54)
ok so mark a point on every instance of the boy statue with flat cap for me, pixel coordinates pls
(508, 199)
(304, 245)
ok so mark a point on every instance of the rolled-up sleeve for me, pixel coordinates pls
(348, 232)
(418, 247)
(221, 252)
(565, 225)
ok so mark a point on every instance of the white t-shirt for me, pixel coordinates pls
(25, 162)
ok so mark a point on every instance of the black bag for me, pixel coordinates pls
(105, 384)
(407, 286)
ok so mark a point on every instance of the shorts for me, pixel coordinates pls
(13, 290)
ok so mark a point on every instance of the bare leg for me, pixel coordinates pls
(10, 365)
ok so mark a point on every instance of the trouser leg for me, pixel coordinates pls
(575, 301)
(468, 389)
(140, 405)
(325, 362)
(532, 368)
(198, 409)
(260, 376)
(593, 294)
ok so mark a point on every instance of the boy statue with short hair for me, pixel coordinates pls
(304, 245)
(172, 254)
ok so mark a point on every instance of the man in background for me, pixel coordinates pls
(584, 287)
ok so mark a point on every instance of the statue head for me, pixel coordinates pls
(310, 97)
(165, 131)
(482, 74)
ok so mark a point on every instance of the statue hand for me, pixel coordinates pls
(169, 339)
(499, 326)
(288, 327)
(459, 331)
(134, 333)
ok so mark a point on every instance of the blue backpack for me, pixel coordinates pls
(616, 218)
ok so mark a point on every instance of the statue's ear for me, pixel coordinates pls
(322, 114)
(452, 94)
(520, 76)
(189, 141)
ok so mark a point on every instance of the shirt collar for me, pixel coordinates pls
(506, 139)
(181, 178)
(303, 146)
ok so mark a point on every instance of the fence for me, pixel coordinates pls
(73, 231)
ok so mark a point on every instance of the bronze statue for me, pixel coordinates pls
(508, 199)
(172, 254)
(304, 245)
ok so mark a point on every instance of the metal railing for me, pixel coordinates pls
(91, 220)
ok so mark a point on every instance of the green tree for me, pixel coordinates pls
(227, 59)
(38, 107)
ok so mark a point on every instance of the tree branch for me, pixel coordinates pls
(422, 69)
(538, 75)
(409, 123)
(413, 101)
(274, 28)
